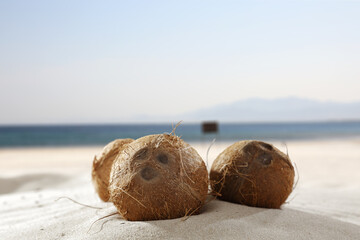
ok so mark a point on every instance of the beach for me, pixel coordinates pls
(36, 182)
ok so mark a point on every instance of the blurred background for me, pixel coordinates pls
(87, 72)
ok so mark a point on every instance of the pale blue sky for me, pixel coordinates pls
(106, 61)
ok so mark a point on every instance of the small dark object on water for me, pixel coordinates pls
(209, 127)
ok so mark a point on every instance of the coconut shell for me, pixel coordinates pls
(253, 173)
(102, 166)
(158, 177)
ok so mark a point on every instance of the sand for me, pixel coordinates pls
(324, 205)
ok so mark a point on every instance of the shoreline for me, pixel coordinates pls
(196, 142)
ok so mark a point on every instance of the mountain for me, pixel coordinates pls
(282, 109)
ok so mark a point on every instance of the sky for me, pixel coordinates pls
(119, 61)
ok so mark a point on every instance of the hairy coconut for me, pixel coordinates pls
(102, 166)
(158, 177)
(253, 173)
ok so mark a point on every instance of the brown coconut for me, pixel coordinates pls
(253, 173)
(102, 166)
(158, 177)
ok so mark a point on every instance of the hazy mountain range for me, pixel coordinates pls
(282, 109)
(264, 110)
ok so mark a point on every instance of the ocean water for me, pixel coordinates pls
(82, 135)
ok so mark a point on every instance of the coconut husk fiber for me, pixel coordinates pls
(253, 173)
(158, 177)
(102, 166)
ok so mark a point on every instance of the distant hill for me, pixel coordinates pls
(282, 109)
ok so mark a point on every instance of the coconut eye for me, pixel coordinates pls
(162, 158)
(250, 149)
(265, 159)
(148, 173)
(141, 154)
(266, 146)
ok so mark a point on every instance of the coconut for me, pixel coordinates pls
(253, 173)
(158, 177)
(102, 166)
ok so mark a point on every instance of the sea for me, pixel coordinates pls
(91, 135)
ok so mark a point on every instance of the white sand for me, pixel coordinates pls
(325, 204)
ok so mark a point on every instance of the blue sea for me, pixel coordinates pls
(87, 135)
